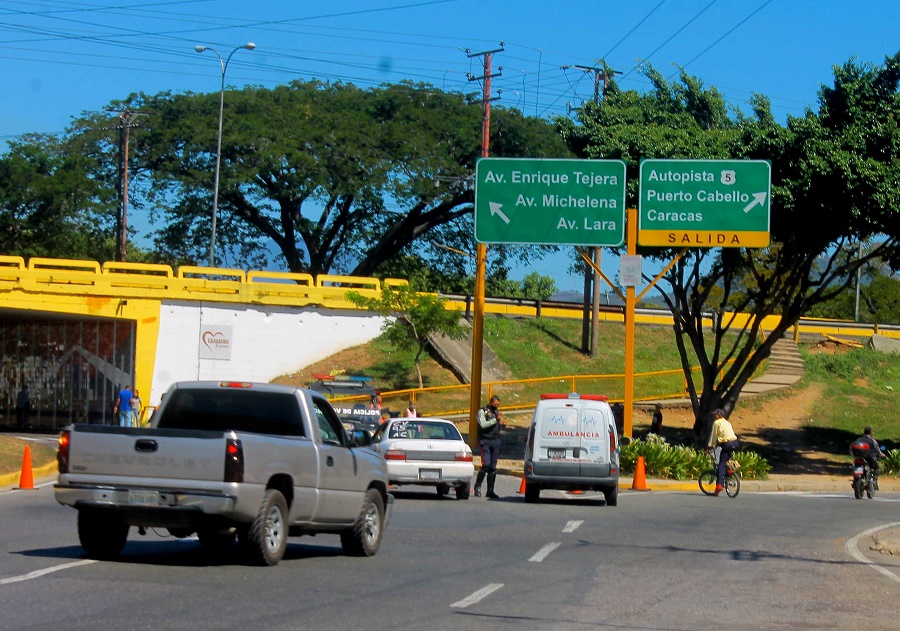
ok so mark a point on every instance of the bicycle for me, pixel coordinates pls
(709, 477)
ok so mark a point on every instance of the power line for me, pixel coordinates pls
(673, 36)
(726, 34)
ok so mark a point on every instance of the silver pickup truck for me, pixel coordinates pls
(256, 462)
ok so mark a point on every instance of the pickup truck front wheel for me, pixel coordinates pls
(267, 536)
(364, 538)
(102, 534)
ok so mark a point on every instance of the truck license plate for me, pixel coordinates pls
(555, 453)
(429, 474)
(144, 498)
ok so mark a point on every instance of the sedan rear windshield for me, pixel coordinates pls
(430, 430)
(240, 410)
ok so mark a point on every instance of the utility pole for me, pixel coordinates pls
(590, 329)
(126, 122)
(480, 248)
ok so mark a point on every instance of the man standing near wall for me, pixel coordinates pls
(123, 406)
(23, 406)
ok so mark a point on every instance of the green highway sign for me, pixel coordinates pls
(705, 203)
(546, 201)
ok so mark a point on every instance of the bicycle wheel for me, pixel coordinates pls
(707, 482)
(732, 484)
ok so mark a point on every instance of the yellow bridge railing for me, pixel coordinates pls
(153, 281)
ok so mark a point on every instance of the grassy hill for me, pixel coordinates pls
(532, 348)
(858, 386)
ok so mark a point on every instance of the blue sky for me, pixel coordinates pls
(62, 58)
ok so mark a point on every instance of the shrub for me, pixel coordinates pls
(676, 462)
(890, 465)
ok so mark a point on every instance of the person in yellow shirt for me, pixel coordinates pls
(722, 436)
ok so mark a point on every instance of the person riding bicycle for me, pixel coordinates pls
(867, 448)
(722, 436)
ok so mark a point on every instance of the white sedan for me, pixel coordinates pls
(426, 452)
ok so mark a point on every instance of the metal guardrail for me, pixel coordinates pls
(189, 282)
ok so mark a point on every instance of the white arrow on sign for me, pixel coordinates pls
(758, 198)
(496, 210)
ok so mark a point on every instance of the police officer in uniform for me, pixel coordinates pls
(489, 422)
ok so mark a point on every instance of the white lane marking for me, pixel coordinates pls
(541, 554)
(478, 596)
(853, 550)
(572, 526)
(816, 495)
(39, 573)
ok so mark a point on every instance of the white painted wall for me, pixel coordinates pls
(267, 341)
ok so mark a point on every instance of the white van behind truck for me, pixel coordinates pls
(572, 445)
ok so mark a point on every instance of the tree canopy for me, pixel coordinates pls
(414, 318)
(50, 205)
(835, 181)
(338, 178)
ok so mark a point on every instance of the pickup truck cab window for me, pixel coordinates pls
(329, 426)
(226, 409)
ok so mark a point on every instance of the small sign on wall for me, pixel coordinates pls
(215, 342)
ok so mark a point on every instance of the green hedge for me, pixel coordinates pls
(662, 460)
(891, 463)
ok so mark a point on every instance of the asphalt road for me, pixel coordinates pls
(659, 560)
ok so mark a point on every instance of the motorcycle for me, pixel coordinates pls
(863, 474)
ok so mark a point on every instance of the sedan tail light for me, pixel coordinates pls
(395, 454)
(463, 456)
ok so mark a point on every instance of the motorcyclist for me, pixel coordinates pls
(871, 455)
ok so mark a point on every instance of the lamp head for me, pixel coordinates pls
(249, 46)
(199, 48)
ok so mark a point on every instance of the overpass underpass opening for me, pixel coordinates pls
(74, 367)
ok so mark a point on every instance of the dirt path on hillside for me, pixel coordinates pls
(778, 427)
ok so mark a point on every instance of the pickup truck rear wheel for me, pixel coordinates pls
(102, 534)
(364, 538)
(267, 536)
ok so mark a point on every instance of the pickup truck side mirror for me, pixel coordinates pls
(360, 438)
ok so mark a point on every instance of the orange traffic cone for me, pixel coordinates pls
(640, 476)
(26, 478)
(522, 485)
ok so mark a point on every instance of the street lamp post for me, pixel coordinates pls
(223, 63)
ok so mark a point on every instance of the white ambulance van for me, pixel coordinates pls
(572, 445)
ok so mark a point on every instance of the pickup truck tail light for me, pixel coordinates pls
(62, 453)
(234, 460)
(463, 456)
(395, 454)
